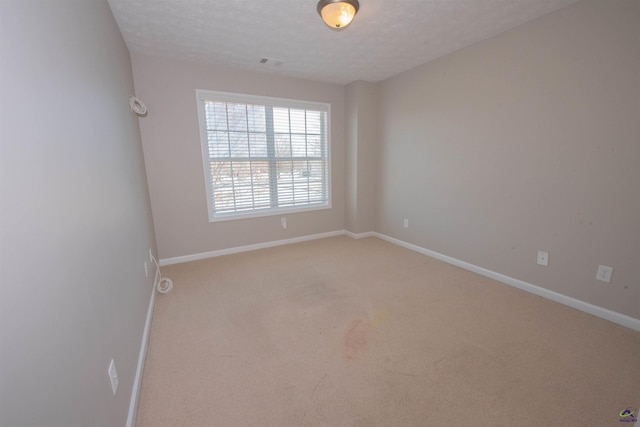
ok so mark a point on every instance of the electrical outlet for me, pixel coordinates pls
(604, 273)
(543, 258)
(113, 376)
(406, 223)
(283, 222)
(146, 269)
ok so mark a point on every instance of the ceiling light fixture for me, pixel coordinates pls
(337, 14)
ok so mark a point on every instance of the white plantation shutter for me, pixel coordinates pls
(263, 155)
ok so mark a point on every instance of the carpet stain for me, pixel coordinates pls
(356, 339)
(380, 318)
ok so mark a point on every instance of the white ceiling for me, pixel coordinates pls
(386, 37)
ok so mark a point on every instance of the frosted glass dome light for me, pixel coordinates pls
(337, 14)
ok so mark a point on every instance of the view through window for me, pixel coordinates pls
(263, 155)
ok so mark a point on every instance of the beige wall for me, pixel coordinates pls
(76, 222)
(351, 157)
(526, 141)
(171, 141)
(361, 160)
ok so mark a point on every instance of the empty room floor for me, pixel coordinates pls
(344, 332)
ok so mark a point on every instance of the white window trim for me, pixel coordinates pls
(208, 95)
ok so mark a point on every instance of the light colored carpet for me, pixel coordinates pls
(343, 332)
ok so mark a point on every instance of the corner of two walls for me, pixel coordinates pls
(362, 105)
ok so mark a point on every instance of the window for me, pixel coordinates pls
(263, 156)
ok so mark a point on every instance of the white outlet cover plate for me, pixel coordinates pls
(604, 273)
(543, 258)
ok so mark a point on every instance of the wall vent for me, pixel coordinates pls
(270, 62)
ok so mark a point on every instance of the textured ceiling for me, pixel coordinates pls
(386, 37)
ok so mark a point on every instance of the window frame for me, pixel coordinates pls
(203, 96)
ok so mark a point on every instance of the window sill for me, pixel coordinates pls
(267, 212)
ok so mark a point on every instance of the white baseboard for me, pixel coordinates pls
(137, 382)
(359, 235)
(238, 249)
(612, 316)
